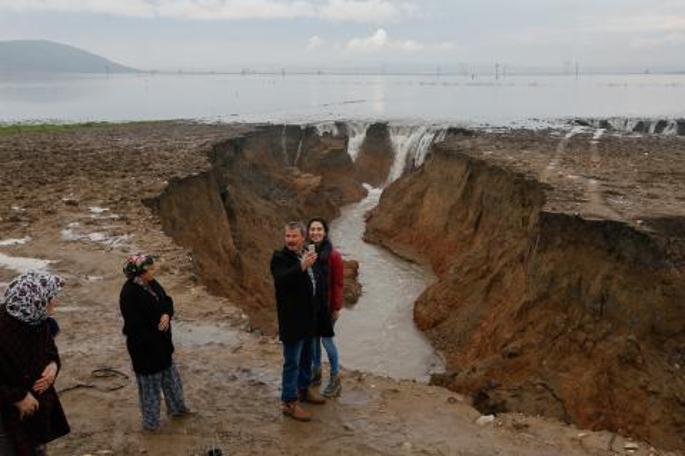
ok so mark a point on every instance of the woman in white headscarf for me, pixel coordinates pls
(30, 411)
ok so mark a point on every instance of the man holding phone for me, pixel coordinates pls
(297, 304)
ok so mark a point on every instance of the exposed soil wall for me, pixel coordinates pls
(542, 312)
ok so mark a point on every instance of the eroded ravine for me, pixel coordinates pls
(290, 172)
(535, 300)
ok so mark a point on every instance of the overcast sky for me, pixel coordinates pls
(227, 34)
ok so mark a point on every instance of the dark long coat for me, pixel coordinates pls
(150, 348)
(329, 266)
(296, 303)
(25, 351)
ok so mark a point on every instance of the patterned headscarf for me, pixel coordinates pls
(28, 295)
(137, 264)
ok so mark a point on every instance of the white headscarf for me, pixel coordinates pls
(28, 295)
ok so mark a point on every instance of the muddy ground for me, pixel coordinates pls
(77, 196)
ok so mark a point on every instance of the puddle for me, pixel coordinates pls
(109, 240)
(99, 213)
(11, 242)
(22, 265)
(71, 309)
(378, 334)
(190, 334)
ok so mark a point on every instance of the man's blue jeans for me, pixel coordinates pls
(297, 368)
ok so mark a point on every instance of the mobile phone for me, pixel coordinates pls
(311, 248)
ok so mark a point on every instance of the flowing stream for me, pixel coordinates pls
(378, 334)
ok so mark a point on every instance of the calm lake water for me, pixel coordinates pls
(306, 98)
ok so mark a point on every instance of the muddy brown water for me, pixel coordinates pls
(378, 334)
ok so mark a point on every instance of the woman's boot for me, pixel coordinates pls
(334, 387)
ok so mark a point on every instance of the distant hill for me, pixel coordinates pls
(41, 56)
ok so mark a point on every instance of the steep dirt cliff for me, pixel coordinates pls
(231, 216)
(542, 306)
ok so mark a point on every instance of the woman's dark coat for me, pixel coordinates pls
(150, 348)
(295, 301)
(329, 266)
(25, 351)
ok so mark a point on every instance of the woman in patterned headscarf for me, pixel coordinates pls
(30, 411)
(147, 312)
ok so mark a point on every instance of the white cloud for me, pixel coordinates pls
(372, 10)
(135, 8)
(380, 41)
(315, 43)
(365, 11)
(375, 42)
(234, 9)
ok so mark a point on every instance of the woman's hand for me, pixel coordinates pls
(335, 314)
(27, 406)
(164, 322)
(47, 378)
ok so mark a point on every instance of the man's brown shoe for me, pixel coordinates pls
(312, 396)
(294, 411)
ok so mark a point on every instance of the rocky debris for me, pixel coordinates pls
(485, 420)
(631, 446)
(352, 288)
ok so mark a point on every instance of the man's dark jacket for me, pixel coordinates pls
(150, 348)
(296, 304)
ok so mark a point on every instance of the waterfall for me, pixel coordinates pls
(598, 134)
(411, 146)
(356, 133)
(669, 127)
(299, 150)
(284, 146)
(626, 125)
(327, 128)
